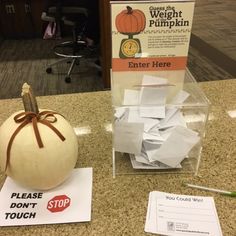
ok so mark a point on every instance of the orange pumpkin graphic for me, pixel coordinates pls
(130, 21)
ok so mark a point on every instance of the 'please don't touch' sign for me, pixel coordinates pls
(70, 202)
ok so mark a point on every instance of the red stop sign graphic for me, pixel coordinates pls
(58, 203)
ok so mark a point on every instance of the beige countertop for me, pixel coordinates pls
(119, 205)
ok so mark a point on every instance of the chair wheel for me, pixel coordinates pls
(68, 79)
(49, 70)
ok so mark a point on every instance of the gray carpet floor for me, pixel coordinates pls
(26, 61)
(204, 69)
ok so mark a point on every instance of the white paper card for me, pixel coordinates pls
(151, 149)
(152, 112)
(153, 95)
(120, 111)
(69, 202)
(128, 137)
(131, 97)
(151, 217)
(176, 215)
(168, 114)
(147, 166)
(176, 147)
(166, 133)
(134, 116)
(177, 119)
(153, 137)
(153, 80)
(180, 97)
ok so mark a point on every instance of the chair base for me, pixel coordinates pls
(75, 48)
(73, 55)
(75, 61)
(73, 16)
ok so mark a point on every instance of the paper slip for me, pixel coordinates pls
(153, 137)
(177, 119)
(134, 117)
(169, 113)
(152, 112)
(141, 165)
(180, 97)
(128, 137)
(119, 112)
(176, 147)
(153, 95)
(176, 215)
(153, 80)
(166, 133)
(69, 202)
(131, 97)
(150, 149)
(155, 130)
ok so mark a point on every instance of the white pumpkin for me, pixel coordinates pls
(34, 167)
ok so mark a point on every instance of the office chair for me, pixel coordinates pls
(74, 17)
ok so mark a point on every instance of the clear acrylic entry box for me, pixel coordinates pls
(158, 126)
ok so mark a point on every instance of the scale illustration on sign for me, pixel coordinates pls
(130, 22)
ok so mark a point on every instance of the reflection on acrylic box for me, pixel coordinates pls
(159, 133)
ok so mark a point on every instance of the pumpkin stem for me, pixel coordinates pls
(129, 10)
(130, 36)
(29, 100)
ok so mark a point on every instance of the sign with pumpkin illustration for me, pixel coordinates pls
(151, 35)
(130, 22)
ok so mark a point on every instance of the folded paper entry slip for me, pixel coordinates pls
(155, 136)
(69, 202)
(173, 214)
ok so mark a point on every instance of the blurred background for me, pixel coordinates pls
(24, 54)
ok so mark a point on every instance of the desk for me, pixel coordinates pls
(119, 205)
